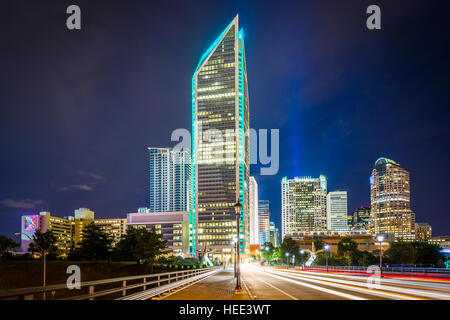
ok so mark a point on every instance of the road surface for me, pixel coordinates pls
(261, 283)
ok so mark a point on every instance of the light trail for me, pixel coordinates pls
(357, 286)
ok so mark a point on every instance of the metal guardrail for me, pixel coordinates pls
(162, 280)
(147, 294)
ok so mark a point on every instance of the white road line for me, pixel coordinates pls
(333, 292)
(248, 290)
(380, 292)
(276, 288)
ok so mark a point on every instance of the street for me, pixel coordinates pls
(264, 283)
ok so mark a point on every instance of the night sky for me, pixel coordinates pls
(80, 108)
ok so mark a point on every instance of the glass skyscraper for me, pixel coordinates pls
(391, 212)
(263, 222)
(170, 180)
(303, 204)
(220, 117)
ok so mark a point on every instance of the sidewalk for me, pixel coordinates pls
(219, 286)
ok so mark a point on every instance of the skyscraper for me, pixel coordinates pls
(337, 211)
(159, 179)
(390, 200)
(263, 221)
(170, 180)
(303, 204)
(274, 234)
(220, 117)
(253, 211)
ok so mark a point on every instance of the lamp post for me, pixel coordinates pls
(326, 252)
(287, 258)
(44, 253)
(293, 260)
(237, 209)
(303, 261)
(380, 240)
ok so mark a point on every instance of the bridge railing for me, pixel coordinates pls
(114, 287)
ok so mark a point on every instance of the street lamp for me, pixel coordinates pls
(287, 258)
(380, 240)
(237, 209)
(326, 252)
(44, 253)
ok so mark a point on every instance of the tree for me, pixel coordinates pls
(149, 245)
(267, 252)
(277, 255)
(401, 252)
(428, 255)
(96, 243)
(291, 247)
(44, 242)
(366, 259)
(349, 249)
(6, 244)
(124, 249)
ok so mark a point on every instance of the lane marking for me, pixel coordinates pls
(333, 292)
(276, 288)
(247, 289)
(340, 283)
(383, 281)
(414, 292)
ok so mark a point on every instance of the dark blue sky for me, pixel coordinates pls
(79, 108)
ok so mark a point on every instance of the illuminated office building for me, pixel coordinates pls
(360, 220)
(263, 221)
(84, 213)
(173, 226)
(274, 235)
(170, 180)
(220, 117)
(423, 231)
(254, 239)
(390, 200)
(303, 204)
(337, 211)
(62, 229)
(113, 227)
(83, 218)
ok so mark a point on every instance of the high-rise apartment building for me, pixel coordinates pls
(254, 239)
(337, 211)
(263, 221)
(220, 147)
(170, 180)
(390, 200)
(303, 204)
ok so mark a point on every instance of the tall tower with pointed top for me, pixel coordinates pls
(220, 147)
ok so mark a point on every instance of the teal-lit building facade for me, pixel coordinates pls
(220, 148)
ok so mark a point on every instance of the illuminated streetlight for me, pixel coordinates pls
(326, 252)
(380, 240)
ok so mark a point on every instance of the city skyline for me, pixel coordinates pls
(39, 185)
